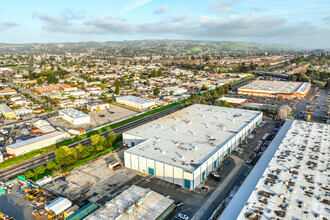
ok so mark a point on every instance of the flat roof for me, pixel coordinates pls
(276, 86)
(135, 99)
(153, 205)
(289, 181)
(74, 113)
(188, 137)
(35, 140)
(233, 100)
(5, 108)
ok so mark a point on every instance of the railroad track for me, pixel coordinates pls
(7, 173)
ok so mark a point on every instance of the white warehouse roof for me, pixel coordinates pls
(290, 180)
(188, 137)
(59, 205)
(74, 113)
(134, 99)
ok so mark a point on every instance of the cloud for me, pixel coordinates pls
(253, 27)
(327, 18)
(6, 25)
(223, 6)
(136, 4)
(9, 24)
(180, 17)
(161, 10)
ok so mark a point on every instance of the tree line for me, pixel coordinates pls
(65, 155)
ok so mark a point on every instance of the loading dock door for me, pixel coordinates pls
(203, 175)
(151, 171)
(215, 164)
(132, 144)
(229, 150)
(187, 183)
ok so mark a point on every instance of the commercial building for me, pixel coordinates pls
(185, 146)
(26, 146)
(101, 106)
(233, 101)
(74, 116)
(175, 90)
(7, 112)
(283, 89)
(290, 181)
(47, 88)
(4, 92)
(135, 203)
(135, 102)
(58, 205)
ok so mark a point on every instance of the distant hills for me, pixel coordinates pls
(144, 47)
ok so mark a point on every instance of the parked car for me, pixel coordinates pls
(215, 176)
(183, 216)
(101, 115)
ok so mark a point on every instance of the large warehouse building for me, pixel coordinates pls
(185, 146)
(290, 181)
(135, 102)
(74, 116)
(26, 146)
(283, 89)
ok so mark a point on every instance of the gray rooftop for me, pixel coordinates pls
(74, 113)
(188, 137)
(152, 206)
(135, 99)
(290, 180)
(34, 140)
(5, 108)
(276, 86)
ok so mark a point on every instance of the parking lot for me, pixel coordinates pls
(104, 117)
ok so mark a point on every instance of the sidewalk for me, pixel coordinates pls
(220, 190)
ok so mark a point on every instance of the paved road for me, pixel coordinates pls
(22, 90)
(221, 192)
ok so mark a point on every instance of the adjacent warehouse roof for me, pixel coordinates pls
(135, 99)
(230, 100)
(74, 113)
(83, 212)
(35, 140)
(5, 108)
(188, 137)
(135, 203)
(289, 181)
(276, 87)
(59, 205)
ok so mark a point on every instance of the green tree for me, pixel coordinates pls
(39, 170)
(39, 81)
(103, 86)
(171, 92)
(85, 152)
(95, 139)
(52, 79)
(109, 100)
(204, 88)
(65, 155)
(79, 149)
(51, 165)
(29, 174)
(111, 138)
(117, 87)
(156, 91)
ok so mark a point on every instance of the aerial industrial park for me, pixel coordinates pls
(104, 125)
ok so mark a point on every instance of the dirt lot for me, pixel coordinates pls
(94, 180)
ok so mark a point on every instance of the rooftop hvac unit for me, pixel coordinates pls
(138, 202)
(129, 210)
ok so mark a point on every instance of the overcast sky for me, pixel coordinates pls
(304, 23)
